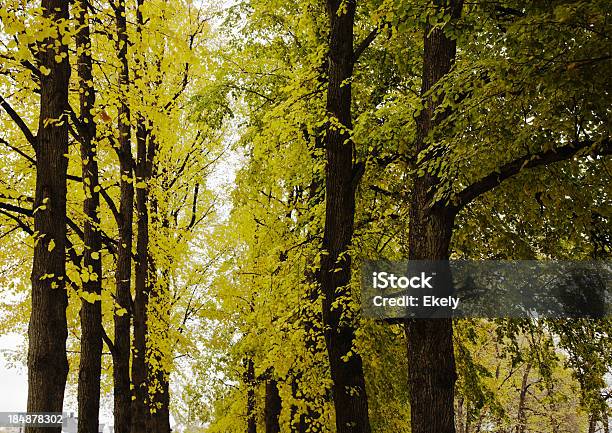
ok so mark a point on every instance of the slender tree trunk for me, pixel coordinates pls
(310, 319)
(273, 407)
(348, 388)
(157, 373)
(159, 419)
(91, 313)
(592, 423)
(160, 293)
(249, 382)
(431, 358)
(47, 331)
(479, 423)
(460, 416)
(521, 416)
(121, 354)
(140, 403)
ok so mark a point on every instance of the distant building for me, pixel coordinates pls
(70, 425)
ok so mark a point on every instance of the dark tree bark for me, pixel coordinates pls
(592, 423)
(273, 406)
(121, 354)
(157, 375)
(431, 360)
(521, 416)
(249, 382)
(47, 331)
(349, 392)
(91, 313)
(140, 404)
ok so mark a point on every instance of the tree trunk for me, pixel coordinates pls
(273, 407)
(91, 313)
(158, 373)
(140, 404)
(348, 383)
(521, 416)
(249, 381)
(431, 357)
(121, 354)
(460, 415)
(592, 423)
(47, 331)
(159, 418)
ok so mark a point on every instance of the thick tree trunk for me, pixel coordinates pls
(431, 360)
(273, 406)
(349, 392)
(140, 403)
(47, 331)
(91, 313)
(121, 354)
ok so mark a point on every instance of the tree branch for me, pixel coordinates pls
(109, 342)
(19, 121)
(19, 151)
(20, 223)
(512, 168)
(111, 204)
(363, 45)
(16, 209)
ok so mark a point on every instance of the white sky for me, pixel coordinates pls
(13, 381)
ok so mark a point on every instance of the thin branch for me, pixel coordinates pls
(18, 121)
(194, 206)
(21, 224)
(19, 151)
(109, 342)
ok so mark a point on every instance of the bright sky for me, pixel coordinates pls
(13, 381)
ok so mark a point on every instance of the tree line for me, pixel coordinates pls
(361, 130)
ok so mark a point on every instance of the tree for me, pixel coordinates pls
(91, 305)
(434, 209)
(341, 178)
(47, 332)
